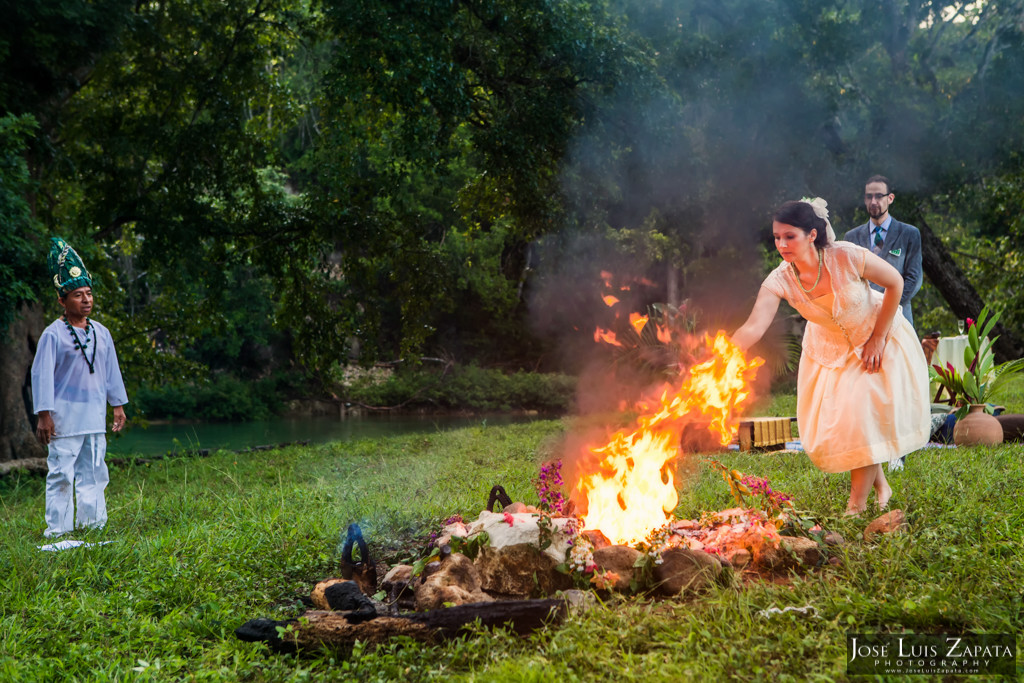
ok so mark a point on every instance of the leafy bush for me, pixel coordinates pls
(469, 388)
(223, 398)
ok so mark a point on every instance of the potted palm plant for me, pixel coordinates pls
(976, 388)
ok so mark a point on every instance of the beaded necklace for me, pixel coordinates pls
(82, 344)
(797, 272)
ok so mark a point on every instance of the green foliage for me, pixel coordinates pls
(222, 398)
(445, 128)
(22, 264)
(48, 50)
(419, 565)
(466, 387)
(981, 223)
(984, 380)
(471, 547)
(163, 171)
(517, 77)
(380, 171)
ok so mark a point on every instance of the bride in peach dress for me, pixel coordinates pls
(862, 384)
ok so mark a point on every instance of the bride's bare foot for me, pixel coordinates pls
(854, 511)
(884, 494)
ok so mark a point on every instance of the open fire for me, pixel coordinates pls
(523, 567)
(626, 488)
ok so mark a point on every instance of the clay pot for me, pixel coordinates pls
(977, 428)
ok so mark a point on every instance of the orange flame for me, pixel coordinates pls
(606, 336)
(628, 489)
(637, 321)
(610, 300)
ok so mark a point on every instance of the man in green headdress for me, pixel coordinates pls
(74, 376)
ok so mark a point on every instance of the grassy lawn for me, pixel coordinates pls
(200, 545)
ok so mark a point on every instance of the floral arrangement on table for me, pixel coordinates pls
(983, 379)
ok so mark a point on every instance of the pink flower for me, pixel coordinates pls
(970, 323)
(509, 518)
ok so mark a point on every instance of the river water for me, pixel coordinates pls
(179, 436)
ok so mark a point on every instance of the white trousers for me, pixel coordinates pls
(76, 461)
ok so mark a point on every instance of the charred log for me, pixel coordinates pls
(340, 595)
(317, 629)
(521, 616)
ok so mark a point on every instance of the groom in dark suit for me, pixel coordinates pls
(896, 242)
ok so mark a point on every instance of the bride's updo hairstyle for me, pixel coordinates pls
(801, 215)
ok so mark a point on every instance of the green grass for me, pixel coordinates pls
(1012, 395)
(200, 545)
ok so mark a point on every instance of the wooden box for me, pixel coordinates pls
(768, 433)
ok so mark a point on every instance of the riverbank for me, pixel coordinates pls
(313, 407)
(189, 436)
(463, 390)
(158, 439)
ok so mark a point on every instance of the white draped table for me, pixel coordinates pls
(950, 350)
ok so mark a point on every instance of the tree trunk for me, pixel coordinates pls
(17, 348)
(672, 284)
(963, 300)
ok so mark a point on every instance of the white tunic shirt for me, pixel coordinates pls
(62, 383)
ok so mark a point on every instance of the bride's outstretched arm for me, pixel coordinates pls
(762, 315)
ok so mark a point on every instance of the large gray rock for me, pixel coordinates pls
(519, 571)
(684, 570)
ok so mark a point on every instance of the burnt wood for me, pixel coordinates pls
(333, 629)
(346, 597)
(522, 616)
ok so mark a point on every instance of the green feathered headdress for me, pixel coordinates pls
(66, 267)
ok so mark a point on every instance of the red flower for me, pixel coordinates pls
(509, 518)
(970, 323)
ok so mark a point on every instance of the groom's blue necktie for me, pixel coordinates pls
(878, 237)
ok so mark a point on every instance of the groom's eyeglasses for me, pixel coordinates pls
(877, 195)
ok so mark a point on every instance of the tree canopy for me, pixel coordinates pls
(388, 179)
